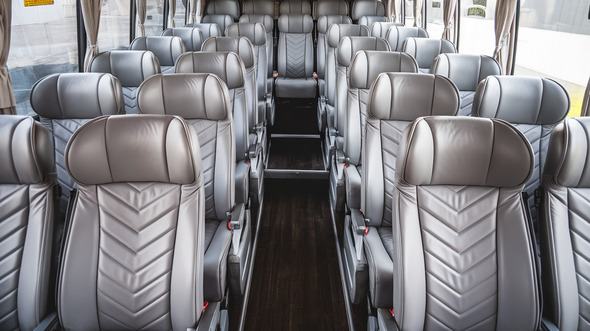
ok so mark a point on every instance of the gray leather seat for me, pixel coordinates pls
(166, 48)
(64, 103)
(565, 214)
(466, 71)
(425, 50)
(300, 7)
(534, 106)
(258, 7)
(366, 12)
(203, 101)
(131, 68)
(295, 58)
(207, 29)
(27, 205)
(397, 35)
(463, 252)
(393, 104)
(133, 256)
(222, 12)
(331, 7)
(380, 29)
(191, 37)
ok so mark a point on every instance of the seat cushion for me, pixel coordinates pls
(295, 87)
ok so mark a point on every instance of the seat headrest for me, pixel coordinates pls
(258, 7)
(397, 35)
(289, 7)
(362, 8)
(380, 29)
(465, 70)
(26, 149)
(295, 23)
(521, 100)
(339, 31)
(134, 148)
(226, 65)
(191, 37)
(166, 48)
(464, 151)
(425, 50)
(325, 21)
(369, 20)
(207, 29)
(265, 20)
(348, 47)
(367, 65)
(568, 154)
(331, 7)
(192, 96)
(220, 19)
(255, 32)
(225, 7)
(239, 45)
(130, 67)
(77, 96)
(407, 96)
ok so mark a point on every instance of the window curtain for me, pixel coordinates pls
(418, 5)
(193, 6)
(586, 104)
(449, 10)
(171, 13)
(141, 6)
(91, 15)
(7, 102)
(505, 25)
(392, 10)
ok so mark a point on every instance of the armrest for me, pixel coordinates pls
(237, 216)
(353, 186)
(49, 323)
(358, 229)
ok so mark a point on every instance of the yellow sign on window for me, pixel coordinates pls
(29, 3)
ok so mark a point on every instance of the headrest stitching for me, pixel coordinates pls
(586, 159)
(58, 97)
(540, 104)
(12, 152)
(106, 149)
(166, 150)
(492, 153)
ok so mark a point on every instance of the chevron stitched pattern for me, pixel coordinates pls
(459, 256)
(137, 235)
(579, 222)
(207, 133)
(466, 102)
(130, 97)
(391, 133)
(296, 49)
(14, 214)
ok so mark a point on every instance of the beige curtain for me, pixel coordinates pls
(7, 102)
(505, 25)
(91, 15)
(449, 8)
(418, 5)
(193, 5)
(171, 13)
(392, 10)
(586, 104)
(141, 13)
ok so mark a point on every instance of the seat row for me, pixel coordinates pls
(152, 227)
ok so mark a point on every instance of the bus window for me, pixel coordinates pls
(113, 31)
(476, 32)
(435, 24)
(179, 17)
(554, 42)
(154, 18)
(43, 42)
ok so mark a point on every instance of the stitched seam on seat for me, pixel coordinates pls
(106, 150)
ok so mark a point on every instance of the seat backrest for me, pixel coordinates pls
(347, 48)
(191, 37)
(224, 7)
(207, 29)
(396, 36)
(364, 69)
(243, 47)
(393, 104)
(210, 116)
(268, 23)
(465, 257)
(466, 71)
(564, 218)
(324, 22)
(295, 57)
(288, 7)
(368, 21)
(380, 29)
(331, 7)
(166, 48)
(362, 8)
(27, 213)
(131, 68)
(64, 103)
(137, 224)
(221, 20)
(425, 50)
(258, 7)
(230, 69)
(533, 105)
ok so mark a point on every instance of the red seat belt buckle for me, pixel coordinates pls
(391, 312)
(207, 304)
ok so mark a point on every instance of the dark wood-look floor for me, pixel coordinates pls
(296, 153)
(296, 282)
